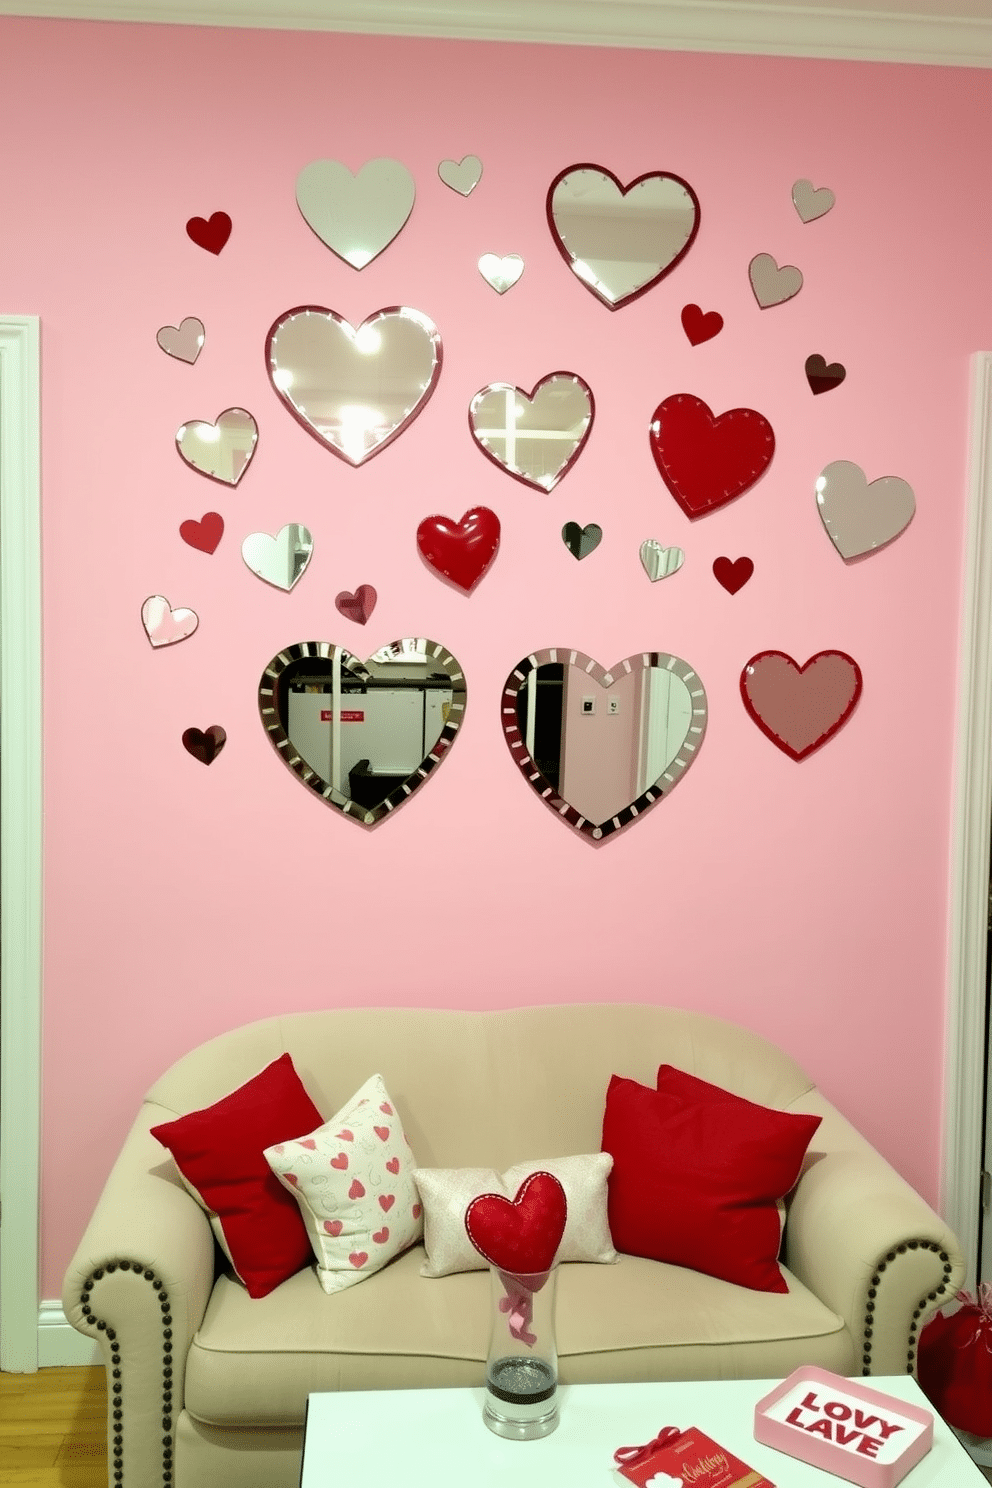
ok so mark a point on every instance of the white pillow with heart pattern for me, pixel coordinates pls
(353, 1181)
(447, 1192)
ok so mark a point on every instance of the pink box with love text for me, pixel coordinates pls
(842, 1426)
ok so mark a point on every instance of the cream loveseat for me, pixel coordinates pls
(207, 1387)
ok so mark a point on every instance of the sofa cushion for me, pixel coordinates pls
(698, 1175)
(257, 1361)
(218, 1152)
(353, 1180)
(447, 1192)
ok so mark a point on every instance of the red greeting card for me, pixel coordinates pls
(676, 1457)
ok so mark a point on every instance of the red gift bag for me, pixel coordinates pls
(954, 1362)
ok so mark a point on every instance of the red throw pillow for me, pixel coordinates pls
(219, 1153)
(698, 1174)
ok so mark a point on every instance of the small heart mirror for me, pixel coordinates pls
(536, 436)
(601, 747)
(353, 388)
(363, 736)
(221, 450)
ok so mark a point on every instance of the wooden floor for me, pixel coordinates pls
(53, 1429)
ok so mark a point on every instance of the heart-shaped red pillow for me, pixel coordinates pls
(520, 1235)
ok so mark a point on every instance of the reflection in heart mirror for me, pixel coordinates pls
(353, 388)
(279, 560)
(356, 214)
(601, 747)
(536, 436)
(363, 736)
(620, 240)
(222, 450)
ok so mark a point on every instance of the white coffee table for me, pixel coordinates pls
(416, 1438)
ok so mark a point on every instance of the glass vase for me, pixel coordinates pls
(522, 1366)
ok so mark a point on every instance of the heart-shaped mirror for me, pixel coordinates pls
(538, 436)
(279, 560)
(800, 707)
(601, 747)
(356, 214)
(861, 516)
(222, 450)
(363, 736)
(354, 388)
(620, 240)
(184, 341)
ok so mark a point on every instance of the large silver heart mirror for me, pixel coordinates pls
(620, 240)
(601, 747)
(354, 388)
(535, 436)
(363, 736)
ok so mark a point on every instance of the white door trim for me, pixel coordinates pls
(20, 839)
(965, 1052)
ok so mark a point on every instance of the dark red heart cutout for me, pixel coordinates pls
(357, 606)
(800, 707)
(821, 376)
(205, 746)
(520, 1235)
(205, 534)
(733, 575)
(461, 551)
(700, 327)
(210, 233)
(708, 459)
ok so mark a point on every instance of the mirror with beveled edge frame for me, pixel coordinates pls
(363, 736)
(601, 747)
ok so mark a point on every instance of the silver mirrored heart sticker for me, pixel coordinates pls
(501, 272)
(862, 516)
(581, 541)
(660, 562)
(461, 175)
(354, 388)
(536, 436)
(164, 626)
(812, 201)
(620, 240)
(356, 214)
(222, 450)
(184, 341)
(773, 285)
(279, 560)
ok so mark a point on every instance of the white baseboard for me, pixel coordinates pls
(58, 1341)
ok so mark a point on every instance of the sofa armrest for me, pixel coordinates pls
(865, 1242)
(139, 1284)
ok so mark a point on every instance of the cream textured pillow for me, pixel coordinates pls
(353, 1181)
(447, 1192)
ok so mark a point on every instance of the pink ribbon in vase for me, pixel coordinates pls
(519, 1304)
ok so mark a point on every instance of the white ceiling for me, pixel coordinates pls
(949, 32)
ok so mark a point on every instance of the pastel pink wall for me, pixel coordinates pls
(804, 900)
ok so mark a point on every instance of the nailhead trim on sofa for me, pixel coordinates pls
(117, 1415)
(114, 1382)
(918, 1312)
